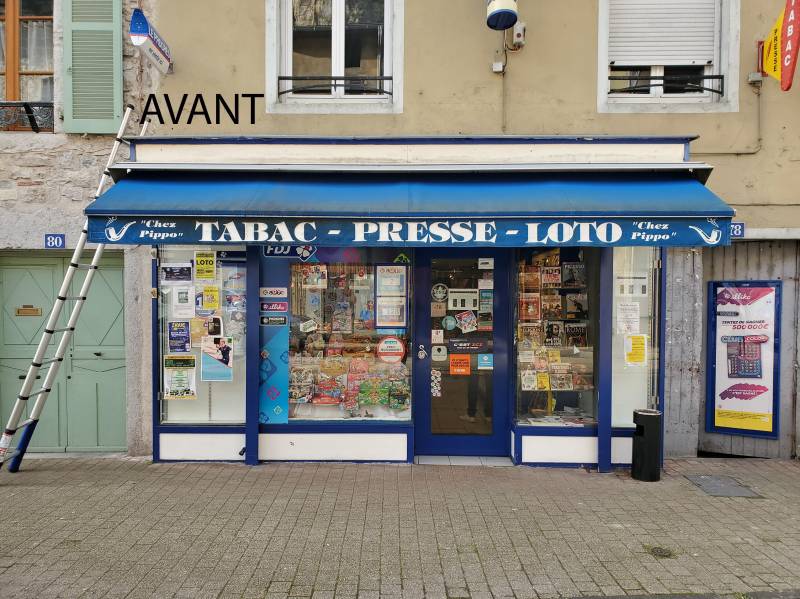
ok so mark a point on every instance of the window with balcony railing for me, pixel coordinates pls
(26, 65)
(334, 54)
(668, 55)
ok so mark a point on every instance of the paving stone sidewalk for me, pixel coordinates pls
(122, 527)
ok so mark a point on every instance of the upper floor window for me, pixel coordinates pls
(334, 55)
(26, 63)
(668, 55)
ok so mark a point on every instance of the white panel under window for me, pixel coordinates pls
(663, 32)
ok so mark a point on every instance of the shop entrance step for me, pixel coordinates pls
(463, 460)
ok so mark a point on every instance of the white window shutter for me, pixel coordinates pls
(663, 32)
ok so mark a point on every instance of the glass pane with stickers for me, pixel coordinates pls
(462, 346)
(349, 339)
(635, 333)
(202, 327)
(558, 293)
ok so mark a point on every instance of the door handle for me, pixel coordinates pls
(422, 354)
(98, 353)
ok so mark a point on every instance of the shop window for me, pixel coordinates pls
(556, 336)
(334, 56)
(668, 56)
(349, 339)
(202, 327)
(635, 326)
(26, 65)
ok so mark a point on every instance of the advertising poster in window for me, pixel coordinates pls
(743, 358)
(391, 312)
(391, 279)
(216, 359)
(205, 266)
(179, 377)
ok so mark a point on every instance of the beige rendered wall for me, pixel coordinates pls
(549, 88)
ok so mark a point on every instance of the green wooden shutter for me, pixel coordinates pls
(92, 66)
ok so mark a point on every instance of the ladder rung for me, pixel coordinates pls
(46, 362)
(83, 266)
(65, 329)
(9, 456)
(72, 297)
(35, 393)
(20, 426)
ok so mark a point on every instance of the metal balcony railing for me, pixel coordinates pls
(353, 84)
(678, 84)
(26, 116)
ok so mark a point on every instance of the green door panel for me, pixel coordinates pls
(23, 285)
(29, 282)
(86, 408)
(51, 431)
(103, 311)
(96, 414)
(96, 399)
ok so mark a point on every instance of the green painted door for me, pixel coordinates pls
(27, 288)
(86, 410)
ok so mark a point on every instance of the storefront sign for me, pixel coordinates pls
(145, 37)
(782, 45)
(422, 232)
(743, 358)
(274, 306)
(273, 321)
(273, 292)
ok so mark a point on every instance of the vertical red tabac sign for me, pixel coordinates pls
(790, 39)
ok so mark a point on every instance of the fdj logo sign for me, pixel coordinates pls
(304, 252)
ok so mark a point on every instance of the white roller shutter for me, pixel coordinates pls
(663, 32)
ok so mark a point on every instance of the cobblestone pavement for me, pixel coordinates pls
(122, 527)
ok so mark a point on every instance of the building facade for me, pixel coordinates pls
(585, 70)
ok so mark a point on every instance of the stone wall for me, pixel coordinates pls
(47, 179)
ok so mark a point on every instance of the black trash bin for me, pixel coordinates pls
(647, 445)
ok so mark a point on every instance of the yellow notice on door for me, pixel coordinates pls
(205, 266)
(635, 349)
(211, 297)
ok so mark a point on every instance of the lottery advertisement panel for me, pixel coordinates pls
(744, 335)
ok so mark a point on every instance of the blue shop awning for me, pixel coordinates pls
(410, 209)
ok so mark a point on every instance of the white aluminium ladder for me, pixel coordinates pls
(51, 329)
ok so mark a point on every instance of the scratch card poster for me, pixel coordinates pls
(743, 358)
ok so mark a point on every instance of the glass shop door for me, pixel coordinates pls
(462, 323)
